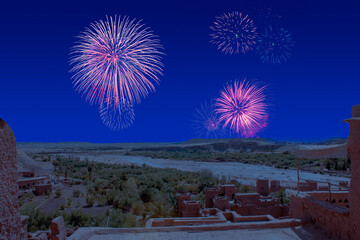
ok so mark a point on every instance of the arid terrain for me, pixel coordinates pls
(247, 173)
(125, 184)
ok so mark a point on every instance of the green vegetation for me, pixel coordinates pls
(283, 160)
(131, 191)
(279, 160)
(90, 199)
(282, 197)
(41, 221)
(26, 197)
(76, 193)
(58, 193)
(336, 164)
(122, 186)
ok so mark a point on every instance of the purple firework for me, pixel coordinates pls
(117, 58)
(117, 114)
(233, 32)
(207, 123)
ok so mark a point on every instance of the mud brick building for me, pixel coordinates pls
(186, 207)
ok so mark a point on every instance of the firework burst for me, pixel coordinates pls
(207, 123)
(233, 32)
(275, 45)
(242, 107)
(117, 114)
(117, 58)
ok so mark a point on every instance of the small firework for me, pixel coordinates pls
(117, 114)
(274, 45)
(117, 58)
(207, 123)
(233, 32)
(242, 107)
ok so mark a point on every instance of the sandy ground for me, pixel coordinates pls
(263, 234)
(245, 173)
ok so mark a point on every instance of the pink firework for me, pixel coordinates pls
(242, 107)
(117, 58)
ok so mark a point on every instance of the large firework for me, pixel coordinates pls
(117, 114)
(275, 45)
(117, 58)
(242, 107)
(233, 32)
(207, 123)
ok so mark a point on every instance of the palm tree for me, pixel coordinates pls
(160, 209)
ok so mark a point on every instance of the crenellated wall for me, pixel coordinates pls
(330, 217)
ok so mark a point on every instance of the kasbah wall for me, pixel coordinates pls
(11, 224)
(340, 221)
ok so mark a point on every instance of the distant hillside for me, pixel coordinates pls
(322, 151)
(219, 145)
(25, 163)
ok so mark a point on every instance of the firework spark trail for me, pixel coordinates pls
(117, 114)
(117, 58)
(242, 107)
(275, 45)
(233, 32)
(207, 123)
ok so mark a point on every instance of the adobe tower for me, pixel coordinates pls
(11, 226)
(353, 147)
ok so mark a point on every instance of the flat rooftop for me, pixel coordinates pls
(249, 234)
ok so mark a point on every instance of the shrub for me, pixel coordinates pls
(117, 218)
(76, 193)
(101, 200)
(38, 220)
(130, 220)
(77, 219)
(90, 200)
(245, 189)
(69, 201)
(145, 195)
(25, 197)
(138, 208)
(58, 193)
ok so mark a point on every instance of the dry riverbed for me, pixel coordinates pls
(245, 173)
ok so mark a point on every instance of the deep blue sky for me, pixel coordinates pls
(310, 94)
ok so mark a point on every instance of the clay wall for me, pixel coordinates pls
(251, 210)
(247, 198)
(339, 198)
(29, 183)
(275, 186)
(262, 186)
(190, 209)
(332, 218)
(228, 190)
(210, 193)
(11, 226)
(180, 202)
(43, 189)
(27, 174)
(221, 203)
(353, 148)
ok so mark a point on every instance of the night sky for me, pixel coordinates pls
(309, 95)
